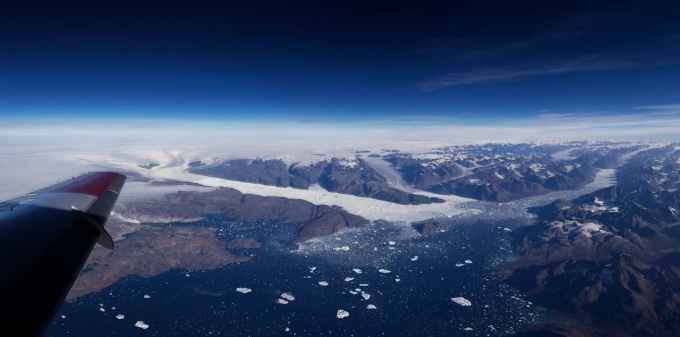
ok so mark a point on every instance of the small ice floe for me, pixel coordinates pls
(468, 329)
(323, 283)
(384, 271)
(507, 229)
(342, 313)
(459, 264)
(102, 309)
(468, 261)
(120, 316)
(142, 325)
(365, 296)
(356, 270)
(371, 307)
(348, 279)
(312, 269)
(343, 248)
(147, 296)
(397, 280)
(363, 284)
(391, 243)
(281, 301)
(187, 275)
(461, 301)
(415, 258)
(288, 296)
(353, 292)
(244, 290)
(63, 316)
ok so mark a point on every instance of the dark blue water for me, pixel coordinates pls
(414, 299)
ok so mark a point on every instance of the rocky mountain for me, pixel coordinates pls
(610, 259)
(348, 176)
(503, 183)
(626, 296)
(311, 220)
(424, 173)
(428, 227)
(489, 172)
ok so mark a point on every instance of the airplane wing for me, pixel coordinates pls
(45, 238)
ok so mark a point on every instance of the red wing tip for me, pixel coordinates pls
(92, 184)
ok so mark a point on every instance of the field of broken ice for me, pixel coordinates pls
(381, 280)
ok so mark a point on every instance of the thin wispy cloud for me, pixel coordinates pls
(493, 74)
(478, 48)
(671, 109)
(565, 30)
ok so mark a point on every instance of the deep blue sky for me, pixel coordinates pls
(337, 60)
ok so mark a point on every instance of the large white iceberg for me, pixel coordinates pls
(288, 296)
(461, 301)
(342, 313)
(142, 325)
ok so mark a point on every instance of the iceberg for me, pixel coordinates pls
(323, 283)
(348, 279)
(142, 325)
(358, 271)
(120, 316)
(244, 290)
(281, 301)
(288, 296)
(342, 313)
(371, 307)
(461, 301)
(384, 271)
